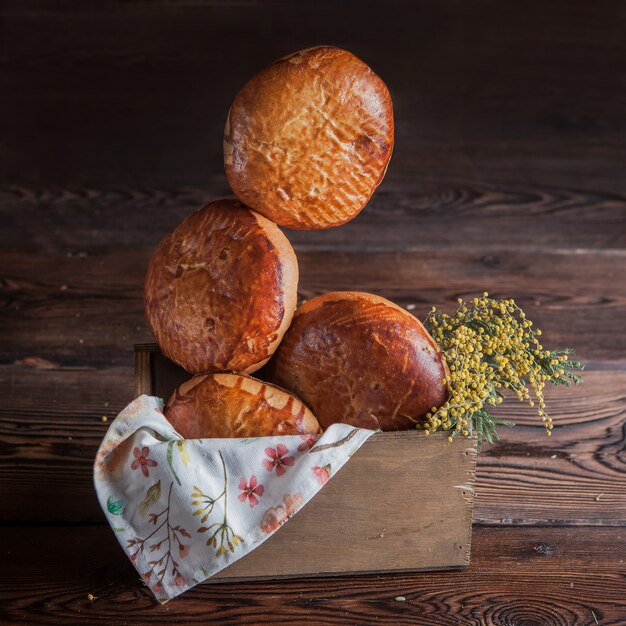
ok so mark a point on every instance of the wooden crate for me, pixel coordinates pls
(402, 503)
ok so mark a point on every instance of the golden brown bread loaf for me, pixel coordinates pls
(308, 140)
(221, 289)
(235, 405)
(360, 359)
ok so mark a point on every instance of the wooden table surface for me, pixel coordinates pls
(508, 176)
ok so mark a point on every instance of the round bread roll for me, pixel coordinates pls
(235, 405)
(308, 140)
(360, 359)
(221, 289)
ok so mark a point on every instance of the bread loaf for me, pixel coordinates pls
(308, 140)
(235, 405)
(360, 359)
(221, 289)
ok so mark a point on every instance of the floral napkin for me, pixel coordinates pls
(184, 509)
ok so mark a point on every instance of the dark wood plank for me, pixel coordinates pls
(75, 220)
(517, 576)
(122, 93)
(50, 428)
(89, 310)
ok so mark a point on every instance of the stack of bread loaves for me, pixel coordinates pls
(307, 141)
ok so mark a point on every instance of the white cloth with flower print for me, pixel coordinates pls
(185, 509)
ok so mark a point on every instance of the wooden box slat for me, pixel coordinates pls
(402, 503)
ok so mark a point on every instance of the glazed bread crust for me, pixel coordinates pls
(235, 405)
(358, 358)
(308, 140)
(221, 289)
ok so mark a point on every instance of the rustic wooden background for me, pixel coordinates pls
(508, 175)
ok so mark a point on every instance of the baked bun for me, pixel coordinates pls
(360, 359)
(308, 140)
(235, 405)
(221, 289)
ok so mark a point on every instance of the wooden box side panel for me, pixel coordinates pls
(399, 504)
(155, 374)
(403, 502)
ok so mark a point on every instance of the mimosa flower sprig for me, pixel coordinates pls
(492, 350)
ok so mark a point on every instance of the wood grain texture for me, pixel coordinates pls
(518, 577)
(112, 93)
(74, 220)
(86, 309)
(143, 374)
(50, 428)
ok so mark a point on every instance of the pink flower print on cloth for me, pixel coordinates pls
(276, 516)
(142, 460)
(322, 473)
(251, 491)
(279, 459)
(308, 441)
